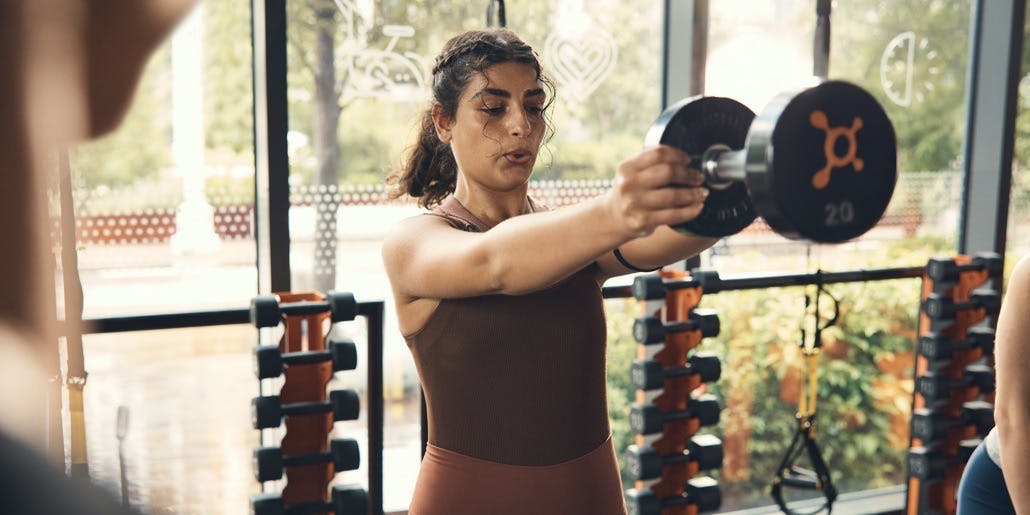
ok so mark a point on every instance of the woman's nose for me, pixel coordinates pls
(519, 124)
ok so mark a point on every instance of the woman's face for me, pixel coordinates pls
(496, 132)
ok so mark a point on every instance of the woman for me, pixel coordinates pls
(1007, 446)
(499, 298)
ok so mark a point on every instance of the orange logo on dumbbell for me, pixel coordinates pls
(819, 121)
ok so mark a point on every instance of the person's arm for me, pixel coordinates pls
(1012, 400)
(425, 258)
(665, 246)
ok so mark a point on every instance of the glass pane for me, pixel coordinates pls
(349, 130)
(189, 441)
(912, 57)
(164, 205)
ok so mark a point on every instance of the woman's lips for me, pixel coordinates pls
(518, 157)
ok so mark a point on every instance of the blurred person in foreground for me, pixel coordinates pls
(69, 71)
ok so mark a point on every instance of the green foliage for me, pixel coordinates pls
(228, 79)
(930, 128)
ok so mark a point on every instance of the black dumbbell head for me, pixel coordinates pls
(346, 404)
(707, 366)
(989, 261)
(647, 374)
(342, 306)
(643, 462)
(942, 269)
(648, 330)
(344, 353)
(708, 321)
(979, 414)
(645, 419)
(706, 409)
(266, 412)
(708, 279)
(928, 425)
(345, 452)
(704, 492)
(966, 448)
(642, 502)
(349, 499)
(925, 464)
(933, 386)
(267, 504)
(268, 361)
(268, 464)
(707, 451)
(937, 307)
(982, 337)
(981, 376)
(934, 346)
(264, 311)
(988, 299)
(648, 287)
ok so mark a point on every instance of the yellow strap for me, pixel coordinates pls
(78, 425)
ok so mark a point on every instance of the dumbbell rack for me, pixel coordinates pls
(306, 485)
(937, 495)
(676, 478)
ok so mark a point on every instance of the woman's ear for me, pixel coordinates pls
(442, 123)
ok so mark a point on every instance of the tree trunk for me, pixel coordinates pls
(327, 147)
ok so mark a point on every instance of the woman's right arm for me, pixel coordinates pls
(426, 258)
(1012, 400)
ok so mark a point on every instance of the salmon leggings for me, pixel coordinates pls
(450, 483)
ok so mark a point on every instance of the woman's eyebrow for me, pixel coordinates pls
(505, 94)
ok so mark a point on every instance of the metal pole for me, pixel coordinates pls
(996, 45)
(374, 312)
(272, 166)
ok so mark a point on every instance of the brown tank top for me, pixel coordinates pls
(519, 379)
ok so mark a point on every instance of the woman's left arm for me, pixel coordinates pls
(662, 247)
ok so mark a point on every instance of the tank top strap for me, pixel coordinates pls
(461, 218)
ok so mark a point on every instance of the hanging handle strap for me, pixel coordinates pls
(821, 56)
(789, 475)
(500, 18)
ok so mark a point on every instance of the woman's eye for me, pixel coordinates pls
(493, 110)
(534, 110)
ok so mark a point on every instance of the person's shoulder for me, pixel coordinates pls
(416, 225)
(1019, 280)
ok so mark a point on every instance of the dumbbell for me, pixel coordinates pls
(266, 311)
(948, 270)
(931, 426)
(268, 411)
(646, 419)
(939, 350)
(654, 287)
(269, 462)
(648, 330)
(937, 388)
(651, 375)
(346, 500)
(819, 165)
(924, 463)
(646, 463)
(942, 307)
(269, 360)
(700, 491)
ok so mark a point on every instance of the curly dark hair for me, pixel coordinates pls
(429, 171)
